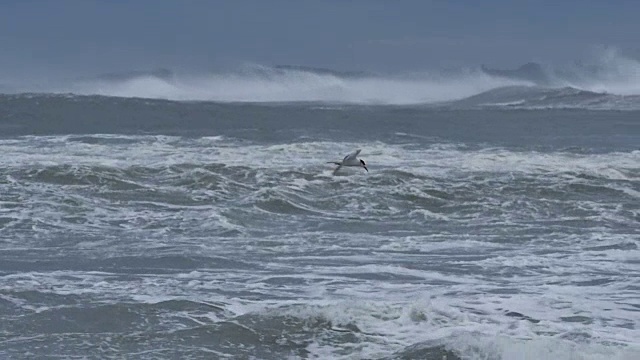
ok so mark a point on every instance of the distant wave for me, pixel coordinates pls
(538, 97)
(610, 81)
(515, 97)
(293, 84)
(608, 72)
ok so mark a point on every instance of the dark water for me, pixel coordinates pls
(148, 229)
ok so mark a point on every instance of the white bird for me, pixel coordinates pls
(349, 160)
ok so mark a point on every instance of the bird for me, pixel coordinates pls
(349, 160)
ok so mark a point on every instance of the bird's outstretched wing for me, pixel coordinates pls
(351, 156)
(336, 170)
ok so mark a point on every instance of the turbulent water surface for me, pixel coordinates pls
(146, 229)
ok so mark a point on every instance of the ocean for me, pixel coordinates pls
(502, 225)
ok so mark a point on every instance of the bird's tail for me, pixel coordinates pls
(333, 162)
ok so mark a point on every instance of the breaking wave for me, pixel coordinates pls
(296, 84)
(609, 81)
(537, 97)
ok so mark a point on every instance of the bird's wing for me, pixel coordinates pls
(336, 170)
(351, 156)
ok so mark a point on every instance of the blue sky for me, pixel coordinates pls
(87, 36)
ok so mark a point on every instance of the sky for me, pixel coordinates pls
(94, 36)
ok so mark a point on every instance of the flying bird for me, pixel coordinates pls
(350, 160)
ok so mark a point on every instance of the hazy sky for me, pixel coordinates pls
(111, 35)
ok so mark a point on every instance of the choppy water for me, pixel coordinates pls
(136, 229)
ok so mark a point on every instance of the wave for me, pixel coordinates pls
(294, 84)
(515, 97)
(606, 72)
(539, 97)
(609, 81)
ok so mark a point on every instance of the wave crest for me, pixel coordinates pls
(608, 81)
(296, 84)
